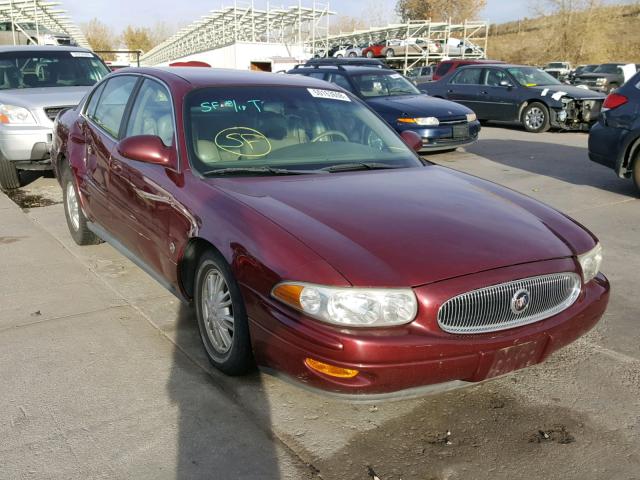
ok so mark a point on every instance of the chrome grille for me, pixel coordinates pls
(491, 308)
(52, 112)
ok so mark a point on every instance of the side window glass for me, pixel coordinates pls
(110, 108)
(444, 68)
(318, 75)
(152, 113)
(467, 76)
(91, 104)
(341, 81)
(494, 77)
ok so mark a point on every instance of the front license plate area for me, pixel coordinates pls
(460, 131)
(516, 357)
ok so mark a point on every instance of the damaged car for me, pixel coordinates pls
(521, 94)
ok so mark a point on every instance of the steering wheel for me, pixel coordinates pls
(329, 133)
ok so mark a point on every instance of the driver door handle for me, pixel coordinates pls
(89, 149)
(116, 166)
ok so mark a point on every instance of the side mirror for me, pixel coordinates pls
(506, 83)
(147, 149)
(412, 139)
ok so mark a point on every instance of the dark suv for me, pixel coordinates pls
(604, 78)
(442, 125)
(614, 141)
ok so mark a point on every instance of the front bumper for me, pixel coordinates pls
(418, 357)
(28, 147)
(443, 137)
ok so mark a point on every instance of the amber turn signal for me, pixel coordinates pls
(330, 370)
(289, 294)
(407, 120)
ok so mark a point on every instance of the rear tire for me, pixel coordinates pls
(76, 221)
(353, 54)
(390, 53)
(369, 54)
(9, 178)
(635, 173)
(535, 118)
(222, 318)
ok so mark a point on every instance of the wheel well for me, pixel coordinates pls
(633, 152)
(189, 263)
(526, 103)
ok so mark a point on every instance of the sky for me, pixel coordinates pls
(119, 13)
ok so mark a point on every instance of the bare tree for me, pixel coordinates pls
(100, 37)
(457, 10)
(137, 38)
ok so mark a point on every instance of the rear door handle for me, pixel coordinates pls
(484, 92)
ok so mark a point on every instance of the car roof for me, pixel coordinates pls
(343, 69)
(472, 61)
(500, 65)
(211, 77)
(41, 48)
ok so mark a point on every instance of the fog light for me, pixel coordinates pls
(330, 370)
(562, 116)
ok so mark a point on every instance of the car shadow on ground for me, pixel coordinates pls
(217, 438)
(567, 163)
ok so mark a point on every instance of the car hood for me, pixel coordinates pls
(597, 75)
(410, 227)
(568, 90)
(418, 106)
(35, 98)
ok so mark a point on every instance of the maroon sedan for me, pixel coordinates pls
(312, 240)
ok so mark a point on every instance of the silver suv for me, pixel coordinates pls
(28, 33)
(36, 83)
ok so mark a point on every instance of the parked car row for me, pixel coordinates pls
(393, 48)
(599, 77)
(28, 33)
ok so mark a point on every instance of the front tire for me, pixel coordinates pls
(9, 178)
(535, 118)
(353, 54)
(76, 221)
(390, 53)
(221, 315)
(635, 173)
(369, 54)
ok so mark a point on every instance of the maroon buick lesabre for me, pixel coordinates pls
(313, 241)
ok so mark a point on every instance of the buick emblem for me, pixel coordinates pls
(520, 301)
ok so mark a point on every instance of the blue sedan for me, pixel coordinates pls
(614, 141)
(442, 124)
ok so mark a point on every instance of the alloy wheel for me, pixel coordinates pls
(534, 118)
(72, 206)
(217, 311)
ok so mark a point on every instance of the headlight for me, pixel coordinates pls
(590, 263)
(348, 306)
(423, 121)
(471, 117)
(13, 115)
(601, 81)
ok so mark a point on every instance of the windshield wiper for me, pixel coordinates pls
(263, 170)
(348, 167)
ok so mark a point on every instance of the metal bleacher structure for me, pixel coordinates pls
(472, 34)
(42, 14)
(242, 22)
(308, 27)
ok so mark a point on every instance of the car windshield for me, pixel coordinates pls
(34, 69)
(556, 65)
(607, 68)
(383, 84)
(254, 130)
(531, 77)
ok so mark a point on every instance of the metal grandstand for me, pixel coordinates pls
(42, 14)
(242, 22)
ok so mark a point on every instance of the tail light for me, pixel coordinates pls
(614, 100)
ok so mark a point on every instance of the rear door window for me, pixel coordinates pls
(112, 103)
(467, 76)
(341, 81)
(443, 69)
